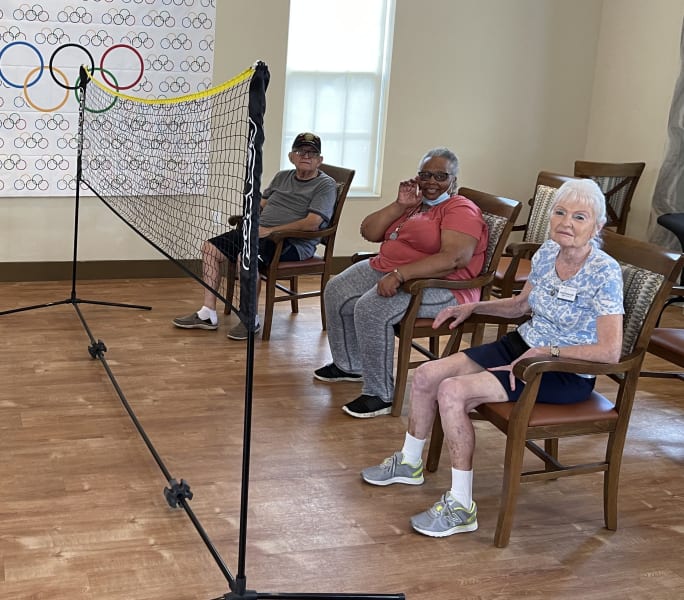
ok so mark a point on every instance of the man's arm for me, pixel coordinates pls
(312, 222)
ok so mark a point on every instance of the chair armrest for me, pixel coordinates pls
(477, 319)
(528, 368)
(677, 290)
(522, 249)
(415, 286)
(301, 234)
(359, 256)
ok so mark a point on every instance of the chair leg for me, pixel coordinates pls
(436, 443)
(403, 360)
(324, 324)
(325, 277)
(433, 345)
(551, 448)
(611, 479)
(515, 448)
(268, 310)
(477, 335)
(294, 288)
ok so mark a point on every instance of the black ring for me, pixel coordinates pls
(52, 58)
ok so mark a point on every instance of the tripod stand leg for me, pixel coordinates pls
(34, 306)
(119, 304)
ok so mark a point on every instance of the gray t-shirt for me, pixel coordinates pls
(290, 199)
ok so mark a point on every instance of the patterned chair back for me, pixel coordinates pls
(538, 224)
(496, 224)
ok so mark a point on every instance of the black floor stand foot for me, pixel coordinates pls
(74, 301)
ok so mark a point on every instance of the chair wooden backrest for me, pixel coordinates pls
(500, 214)
(319, 266)
(648, 274)
(537, 228)
(514, 266)
(617, 182)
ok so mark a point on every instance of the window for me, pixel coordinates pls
(337, 80)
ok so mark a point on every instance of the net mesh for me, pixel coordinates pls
(177, 170)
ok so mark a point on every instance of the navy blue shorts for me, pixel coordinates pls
(555, 388)
(230, 244)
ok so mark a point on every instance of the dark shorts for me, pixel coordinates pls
(230, 244)
(555, 388)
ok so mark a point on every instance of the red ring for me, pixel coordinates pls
(104, 75)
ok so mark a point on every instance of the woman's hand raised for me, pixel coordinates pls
(409, 193)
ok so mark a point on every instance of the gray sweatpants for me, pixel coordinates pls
(361, 324)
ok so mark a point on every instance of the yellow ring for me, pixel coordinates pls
(35, 106)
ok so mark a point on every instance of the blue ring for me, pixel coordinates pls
(40, 72)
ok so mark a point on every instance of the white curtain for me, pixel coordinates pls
(668, 195)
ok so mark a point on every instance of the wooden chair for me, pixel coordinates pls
(500, 214)
(668, 342)
(617, 182)
(674, 222)
(290, 271)
(649, 272)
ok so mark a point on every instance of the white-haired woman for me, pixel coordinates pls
(574, 296)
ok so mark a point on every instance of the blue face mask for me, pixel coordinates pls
(438, 200)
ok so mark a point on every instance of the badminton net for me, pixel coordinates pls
(176, 171)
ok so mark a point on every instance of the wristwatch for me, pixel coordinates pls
(555, 351)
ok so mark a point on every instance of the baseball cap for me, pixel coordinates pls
(307, 139)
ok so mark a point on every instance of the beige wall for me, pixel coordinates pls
(636, 69)
(511, 87)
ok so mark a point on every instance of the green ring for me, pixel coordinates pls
(76, 88)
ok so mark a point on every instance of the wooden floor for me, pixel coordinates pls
(83, 516)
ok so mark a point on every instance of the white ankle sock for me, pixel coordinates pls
(412, 450)
(462, 487)
(207, 313)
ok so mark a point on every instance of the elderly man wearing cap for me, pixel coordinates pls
(299, 198)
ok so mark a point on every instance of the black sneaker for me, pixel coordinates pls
(333, 373)
(365, 407)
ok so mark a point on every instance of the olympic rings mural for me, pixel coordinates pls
(144, 48)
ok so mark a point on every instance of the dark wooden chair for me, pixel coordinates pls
(668, 342)
(648, 272)
(279, 271)
(617, 182)
(499, 213)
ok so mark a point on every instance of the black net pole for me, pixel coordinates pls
(249, 274)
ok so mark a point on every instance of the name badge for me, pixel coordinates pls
(565, 292)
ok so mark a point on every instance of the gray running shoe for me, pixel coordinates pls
(446, 517)
(394, 470)
(239, 331)
(194, 322)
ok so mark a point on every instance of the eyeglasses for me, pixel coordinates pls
(307, 153)
(437, 175)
